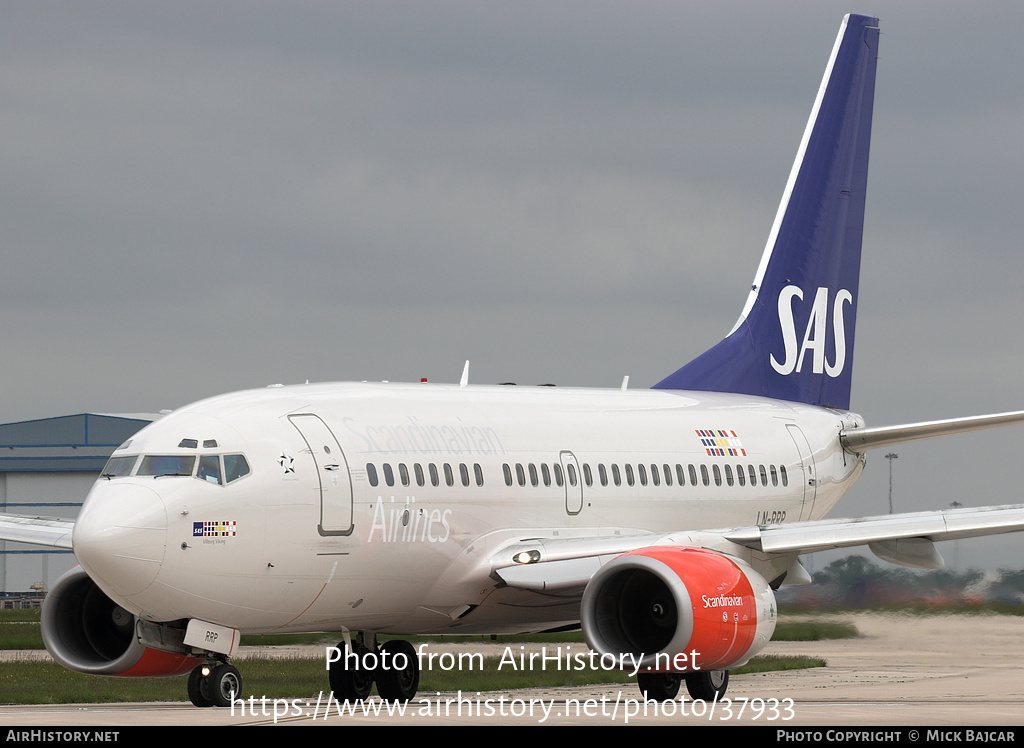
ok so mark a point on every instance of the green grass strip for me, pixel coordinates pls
(49, 683)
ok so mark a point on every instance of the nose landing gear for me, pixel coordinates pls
(393, 666)
(213, 684)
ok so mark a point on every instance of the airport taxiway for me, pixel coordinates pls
(903, 670)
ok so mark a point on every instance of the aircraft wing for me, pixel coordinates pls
(905, 539)
(47, 531)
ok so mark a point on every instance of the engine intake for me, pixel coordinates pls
(86, 631)
(678, 610)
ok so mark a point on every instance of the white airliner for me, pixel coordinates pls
(658, 521)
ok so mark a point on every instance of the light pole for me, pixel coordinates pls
(890, 457)
(956, 543)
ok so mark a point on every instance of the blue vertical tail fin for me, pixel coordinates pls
(794, 338)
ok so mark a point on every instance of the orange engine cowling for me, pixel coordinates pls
(670, 609)
(86, 631)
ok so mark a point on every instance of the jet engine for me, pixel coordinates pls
(86, 631)
(678, 610)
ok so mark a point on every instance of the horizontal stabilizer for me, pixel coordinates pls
(863, 439)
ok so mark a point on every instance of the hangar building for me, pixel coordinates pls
(47, 467)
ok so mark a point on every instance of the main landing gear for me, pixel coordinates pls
(706, 685)
(214, 684)
(393, 666)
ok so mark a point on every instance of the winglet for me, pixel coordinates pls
(794, 337)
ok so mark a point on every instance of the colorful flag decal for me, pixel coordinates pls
(721, 443)
(213, 529)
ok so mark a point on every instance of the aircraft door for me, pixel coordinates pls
(806, 468)
(573, 483)
(332, 473)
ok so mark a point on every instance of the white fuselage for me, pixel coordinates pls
(379, 506)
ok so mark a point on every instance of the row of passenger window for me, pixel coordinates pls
(404, 478)
(629, 475)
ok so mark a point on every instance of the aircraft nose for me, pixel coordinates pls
(120, 536)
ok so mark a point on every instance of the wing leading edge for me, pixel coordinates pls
(905, 539)
(48, 531)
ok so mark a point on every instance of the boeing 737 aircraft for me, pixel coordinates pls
(659, 521)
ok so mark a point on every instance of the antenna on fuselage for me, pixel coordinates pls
(625, 383)
(465, 375)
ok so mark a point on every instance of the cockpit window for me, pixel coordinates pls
(157, 465)
(209, 469)
(235, 467)
(119, 467)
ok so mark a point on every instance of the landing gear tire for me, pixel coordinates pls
(349, 680)
(398, 676)
(707, 685)
(199, 688)
(659, 686)
(225, 684)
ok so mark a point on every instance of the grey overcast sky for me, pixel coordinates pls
(205, 196)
